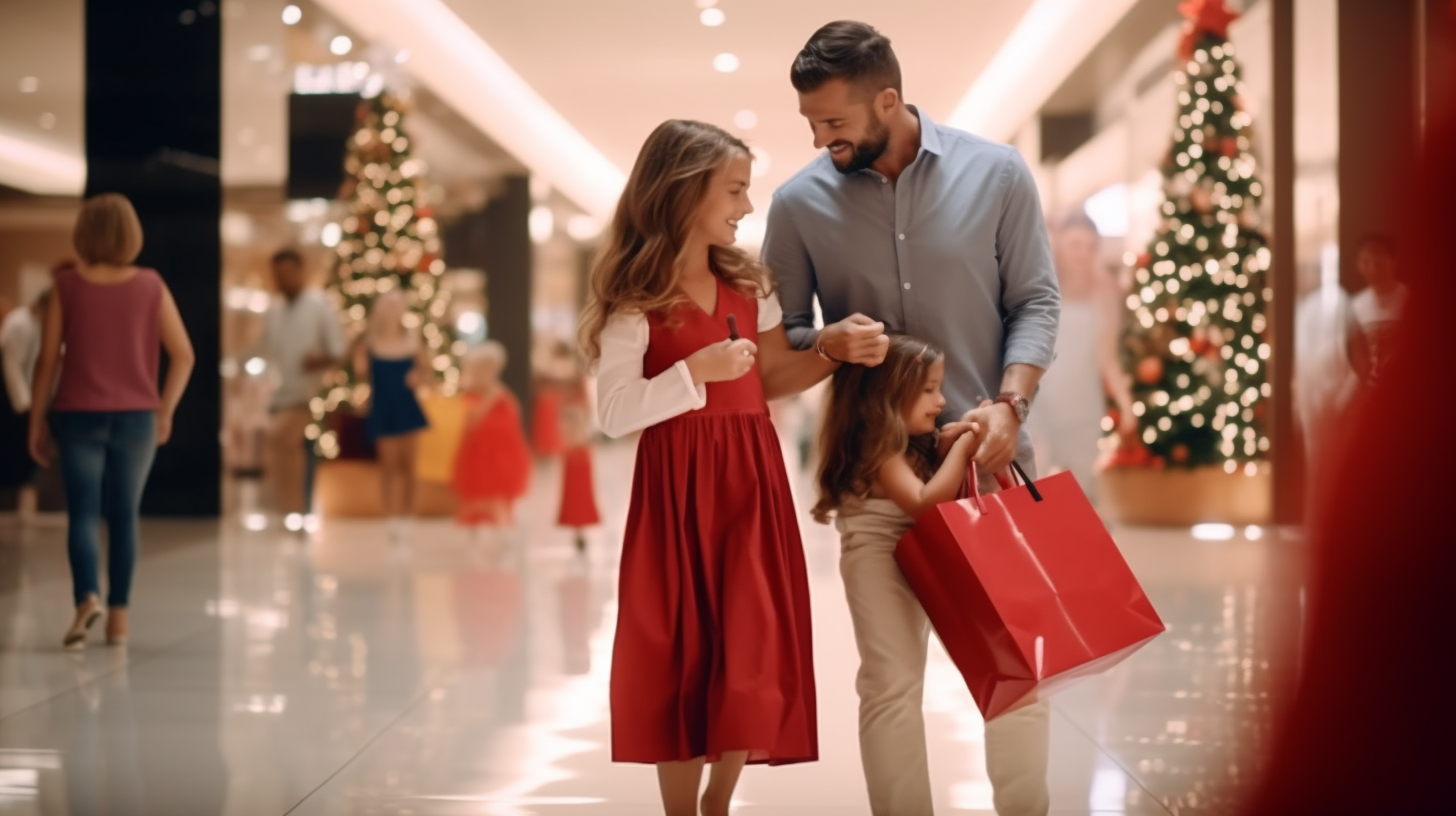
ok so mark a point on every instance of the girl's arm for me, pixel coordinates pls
(180, 361)
(630, 401)
(786, 371)
(43, 380)
(422, 374)
(901, 485)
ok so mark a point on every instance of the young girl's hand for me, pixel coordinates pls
(722, 362)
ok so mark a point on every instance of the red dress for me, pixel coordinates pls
(546, 420)
(493, 465)
(713, 650)
(578, 494)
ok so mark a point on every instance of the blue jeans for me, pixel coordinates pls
(105, 459)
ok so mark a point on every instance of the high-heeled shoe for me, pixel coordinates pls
(87, 613)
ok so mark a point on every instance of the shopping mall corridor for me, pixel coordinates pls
(272, 674)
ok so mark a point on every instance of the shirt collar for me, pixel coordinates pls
(929, 134)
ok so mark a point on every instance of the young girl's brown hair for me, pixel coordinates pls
(638, 267)
(864, 424)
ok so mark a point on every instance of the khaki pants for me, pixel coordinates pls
(287, 464)
(892, 632)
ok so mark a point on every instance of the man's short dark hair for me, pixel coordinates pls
(850, 51)
(1378, 242)
(287, 254)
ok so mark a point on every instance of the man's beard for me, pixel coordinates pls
(869, 151)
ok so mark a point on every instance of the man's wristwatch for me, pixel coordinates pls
(1020, 404)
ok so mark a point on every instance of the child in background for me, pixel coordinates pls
(493, 465)
(397, 367)
(578, 491)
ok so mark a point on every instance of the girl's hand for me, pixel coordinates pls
(164, 427)
(949, 434)
(722, 362)
(969, 441)
(40, 444)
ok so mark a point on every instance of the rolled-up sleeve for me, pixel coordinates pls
(785, 254)
(627, 401)
(1029, 293)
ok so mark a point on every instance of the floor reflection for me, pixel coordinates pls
(272, 673)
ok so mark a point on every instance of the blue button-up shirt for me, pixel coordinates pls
(955, 252)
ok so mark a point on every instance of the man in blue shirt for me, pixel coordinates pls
(906, 225)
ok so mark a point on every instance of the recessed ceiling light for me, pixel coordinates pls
(291, 15)
(712, 17)
(29, 84)
(726, 63)
(341, 45)
(402, 57)
(745, 119)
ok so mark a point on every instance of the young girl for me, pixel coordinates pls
(397, 366)
(883, 464)
(712, 660)
(493, 466)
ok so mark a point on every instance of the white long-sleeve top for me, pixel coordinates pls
(627, 401)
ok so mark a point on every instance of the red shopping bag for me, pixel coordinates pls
(1026, 589)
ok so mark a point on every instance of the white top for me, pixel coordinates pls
(626, 400)
(20, 348)
(292, 332)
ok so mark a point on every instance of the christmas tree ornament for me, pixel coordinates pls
(1150, 370)
(1206, 19)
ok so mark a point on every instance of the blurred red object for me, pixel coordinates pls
(1371, 723)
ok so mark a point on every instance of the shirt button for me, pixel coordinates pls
(907, 284)
(902, 236)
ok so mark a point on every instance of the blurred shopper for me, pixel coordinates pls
(578, 489)
(1072, 398)
(1378, 306)
(106, 416)
(398, 367)
(937, 233)
(1328, 352)
(493, 465)
(20, 337)
(302, 339)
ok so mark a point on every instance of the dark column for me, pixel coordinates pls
(1285, 443)
(1378, 55)
(153, 113)
(497, 239)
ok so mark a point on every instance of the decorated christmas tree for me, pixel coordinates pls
(1196, 343)
(388, 240)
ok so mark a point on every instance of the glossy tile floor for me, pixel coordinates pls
(271, 674)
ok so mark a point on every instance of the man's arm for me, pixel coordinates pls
(1031, 303)
(12, 349)
(786, 256)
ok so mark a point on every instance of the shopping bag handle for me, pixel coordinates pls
(971, 486)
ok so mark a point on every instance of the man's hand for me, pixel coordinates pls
(855, 339)
(316, 362)
(999, 429)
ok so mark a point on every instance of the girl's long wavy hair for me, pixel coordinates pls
(864, 423)
(639, 265)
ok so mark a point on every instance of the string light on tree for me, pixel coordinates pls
(388, 240)
(1196, 344)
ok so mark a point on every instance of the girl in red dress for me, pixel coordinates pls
(712, 660)
(578, 491)
(493, 465)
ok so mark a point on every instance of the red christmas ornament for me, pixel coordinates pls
(1204, 17)
(1199, 344)
(1145, 260)
(1150, 371)
(1229, 146)
(1158, 463)
(1180, 453)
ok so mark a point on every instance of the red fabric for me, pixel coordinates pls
(1369, 726)
(1028, 596)
(546, 422)
(493, 465)
(578, 491)
(713, 649)
(113, 343)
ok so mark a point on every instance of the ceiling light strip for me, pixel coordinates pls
(28, 165)
(1052, 39)
(450, 59)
